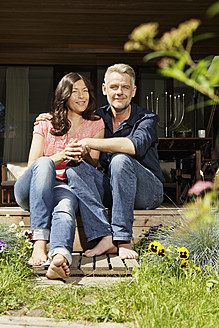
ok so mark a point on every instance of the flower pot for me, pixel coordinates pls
(183, 134)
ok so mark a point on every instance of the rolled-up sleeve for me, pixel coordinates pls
(144, 135)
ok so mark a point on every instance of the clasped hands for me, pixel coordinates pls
(75, 151)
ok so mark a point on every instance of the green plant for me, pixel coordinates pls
(159, 294)
(16, 240)
(155, 296)
(183, 128)
(14, 253)
(14, 282)
(151, 298)
(174, 47)
(197, 230)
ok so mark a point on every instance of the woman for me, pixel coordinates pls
(43, 188)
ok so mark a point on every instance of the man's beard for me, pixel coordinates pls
(121, 109)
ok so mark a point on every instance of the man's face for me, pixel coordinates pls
(119, 90)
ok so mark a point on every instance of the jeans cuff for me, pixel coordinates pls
(64, 252)
(99, 236)
(41, 234)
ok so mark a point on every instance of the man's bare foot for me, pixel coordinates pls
(39, 255)
(126, 251)
(58, 268)
(106, 245)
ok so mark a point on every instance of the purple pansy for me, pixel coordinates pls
(2, 246)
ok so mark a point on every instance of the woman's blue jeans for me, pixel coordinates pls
(128, 186)
(52, 205)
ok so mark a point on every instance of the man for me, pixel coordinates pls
(129, 157)
(132, 174)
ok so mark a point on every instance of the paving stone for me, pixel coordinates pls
(80, 281)
(7, 321)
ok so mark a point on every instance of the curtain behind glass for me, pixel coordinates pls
(16, 145)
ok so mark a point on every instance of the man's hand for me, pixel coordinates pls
(84, 144)
(43, 117)
(75, 151)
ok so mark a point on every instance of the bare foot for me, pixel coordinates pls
(39, 255)
(104, 246)
(126, 251)
(58, 268)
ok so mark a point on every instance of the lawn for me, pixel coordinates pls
(160, 293)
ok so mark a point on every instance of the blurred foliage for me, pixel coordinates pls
(174, 48)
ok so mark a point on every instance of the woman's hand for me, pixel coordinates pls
(75, 151)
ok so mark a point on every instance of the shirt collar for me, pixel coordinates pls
(132, 118)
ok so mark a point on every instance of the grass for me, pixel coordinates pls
(155, 296)
(150, 299)
(14, 272)
(14, 284)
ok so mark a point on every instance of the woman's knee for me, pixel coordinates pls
(21, 197)
(44, 162)
(44, 166)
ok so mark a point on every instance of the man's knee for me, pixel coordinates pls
(121, 162)
(75, 169)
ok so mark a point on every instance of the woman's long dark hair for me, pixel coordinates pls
(60, 122)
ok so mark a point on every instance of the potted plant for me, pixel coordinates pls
(183, 131)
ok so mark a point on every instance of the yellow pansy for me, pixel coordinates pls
(184, 264)
(153, 247)
(197, 269)
(161, 251)
(183, 253)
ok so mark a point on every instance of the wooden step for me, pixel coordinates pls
(102, 265)
(143, 220)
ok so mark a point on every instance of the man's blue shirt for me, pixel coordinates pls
(141, 129)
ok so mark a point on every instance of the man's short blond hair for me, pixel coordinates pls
(120, 68)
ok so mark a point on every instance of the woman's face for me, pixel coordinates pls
(79, 99)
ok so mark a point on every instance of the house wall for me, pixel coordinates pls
(43, 80)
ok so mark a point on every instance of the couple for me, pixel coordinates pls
(62, 177)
